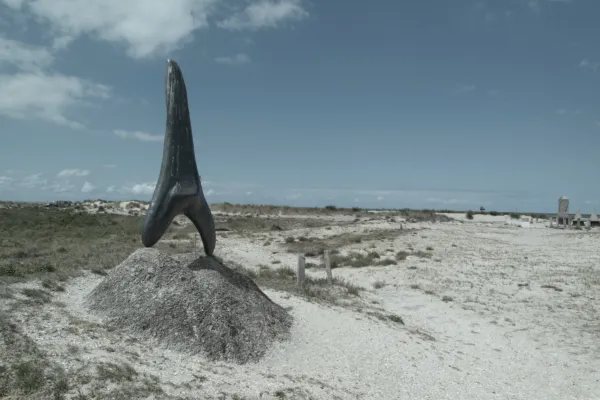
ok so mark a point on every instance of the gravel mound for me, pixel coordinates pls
(190, 304)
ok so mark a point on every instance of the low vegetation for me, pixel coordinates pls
(55, 244)
(312, 247)
(284, 279)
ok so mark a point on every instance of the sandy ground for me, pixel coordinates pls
(498, 312)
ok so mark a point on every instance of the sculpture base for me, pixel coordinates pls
(190, 304)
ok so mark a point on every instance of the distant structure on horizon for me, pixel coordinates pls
(563, 218)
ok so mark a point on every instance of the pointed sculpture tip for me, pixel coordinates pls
(178, 189)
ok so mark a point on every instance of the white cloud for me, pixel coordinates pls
(46, 96)
(32, 92)
(564, 111)
(465, 88)
(110, 189)
(60, 187)
(39, 183)
(147, 28)
(138, 135)
(5, 180)
(237, 59)
(33, 181)
(379, 198)
(87, 187)
(534, 5)
(248, 193)
(65, 173)
(265, 14)
(24, 57)
(446, 201)
(587, 64)
(210, 192)
(143, 27)
(62, 42)
(142, 188)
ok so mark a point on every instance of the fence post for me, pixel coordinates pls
(327, 262)
(301, 273)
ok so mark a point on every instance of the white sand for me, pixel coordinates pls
(497, 335)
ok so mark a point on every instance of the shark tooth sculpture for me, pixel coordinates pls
(178, 190)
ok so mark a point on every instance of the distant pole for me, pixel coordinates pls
(301, 274)
(327, 262)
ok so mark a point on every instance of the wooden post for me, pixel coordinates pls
(327, 262)
(300, 274)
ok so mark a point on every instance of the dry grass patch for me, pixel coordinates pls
(51, 244)
(378, 284)
(315, 246)
(284, 279)
(25, 371)
(355, 260)
(239, 223)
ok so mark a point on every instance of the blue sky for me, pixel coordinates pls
(421, 104)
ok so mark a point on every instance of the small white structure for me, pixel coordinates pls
(577, 219)
(594, 221)
(563, 217)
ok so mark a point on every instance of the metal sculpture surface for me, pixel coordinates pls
(178, 190)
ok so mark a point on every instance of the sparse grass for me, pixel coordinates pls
(385, 262)
(289, 239)
(284, 279)
(447, 299)
(115, 372)
(38, 295)
(25, 371)
(515, 215)
(359, 260)
(429, 248)
(37, 242)
(386, 317)
(421, 254)
(402, 255)
(378, 284)
(553, 287)
(395, 318)
(53, 285)
(314, 246)
(243, 223)
(469, 215)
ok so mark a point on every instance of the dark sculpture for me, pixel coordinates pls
(178, 190)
